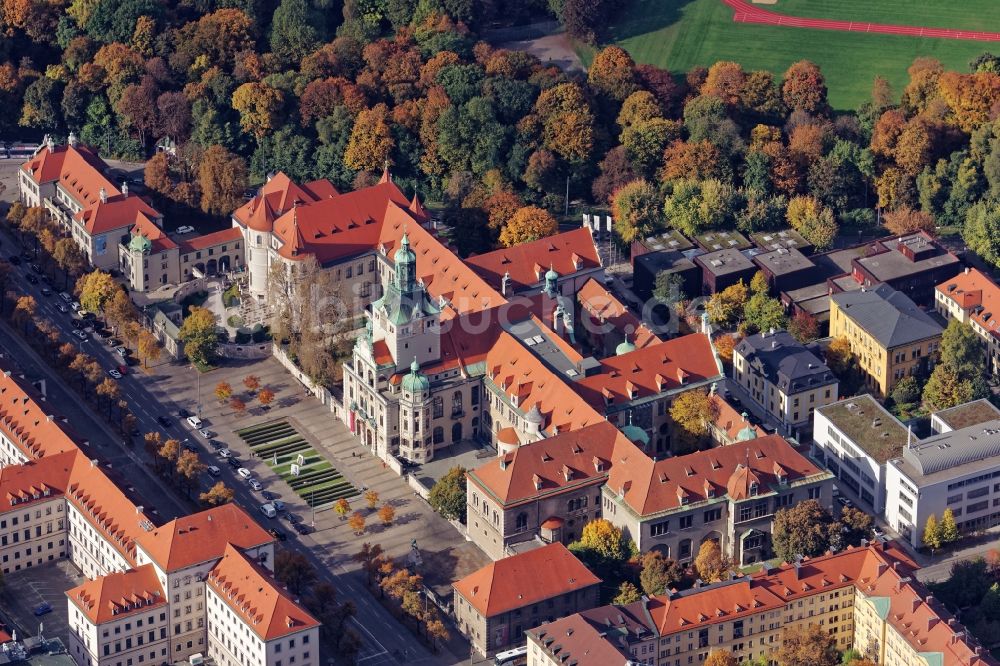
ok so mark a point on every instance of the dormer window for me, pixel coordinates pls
(754, 489)
(782, 479)
(709, 491)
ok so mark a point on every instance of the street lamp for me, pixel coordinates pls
(198, 377)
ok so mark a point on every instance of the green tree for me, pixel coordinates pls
(198, 333)
(803, 529)
(638, 210)
(763, 313)
(932, 533)
(658, 573)
(948, 527)
(982, 231)
(906, 391)
(447, 495)
(855, 526)
(946, 389)
(962, 350)
(627, 593)
(296, 30)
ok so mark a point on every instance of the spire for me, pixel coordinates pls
(551, 280)
(386, 176)
(416, 207)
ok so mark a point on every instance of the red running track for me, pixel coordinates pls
(745, 12)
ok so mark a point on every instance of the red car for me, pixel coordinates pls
(123, 369)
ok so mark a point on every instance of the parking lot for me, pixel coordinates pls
(26, 590)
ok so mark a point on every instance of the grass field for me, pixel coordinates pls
(680, 34)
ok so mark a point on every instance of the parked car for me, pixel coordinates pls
(46, 291)
(123, 369)
(225, 453)
(213, 470)
(877, 531)
(255, 484)
(75, 306)
(235, 463)
(183, 413)
(268, 495)
(62, 308)
(43, 609)
(268, 510)
(122, 351)
(66, 297)
(115, 374)
(191, 447)
(186, 229)
(244, 472)
(845, 502)
(164, 421)
(35, 267)
(301, 528)
(216, 444)
(278, 504)
(80, 334)
(277, 534)
(194, 421)
(206, 433)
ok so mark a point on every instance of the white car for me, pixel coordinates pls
(66, 297)
(186, 229)
(194, 422)
(75, 306)
(268, 510)
(80, 334)
(115, 374)
(206, 433)
(244, 472)
(63, 309)
(213, 470)
(225, 453)
(122, 351)
(255, 484)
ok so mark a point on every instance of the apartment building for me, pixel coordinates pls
(253, 621)
(495, 605)
(855, 439)
(727, 494)
(57, 503)
(957, 470)
(973, 298)
(119, 619)
(784, 377)
(890, 335)
(866, 598)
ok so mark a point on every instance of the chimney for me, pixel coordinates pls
(93, 462)
(125, 188)
(505, 283)
(138, 509)
(966, 271)
(104, 195)
(73, 142)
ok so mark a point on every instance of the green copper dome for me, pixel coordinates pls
(140, 243)
(415, 382)
(404, 254)
(625, 347)
(747, 433)
(636, 434)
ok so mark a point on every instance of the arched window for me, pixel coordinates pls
(522, 521)
(456, 403)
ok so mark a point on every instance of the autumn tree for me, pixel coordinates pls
(258, 105)
(294, 570)
(216, 495)
(612, 72)
(265, 397)
(342, 507)
(855, 525)
(371, 140)
(813, 220)
(147, 347)
(251, 382)
(357, 523)
(189, 467)
(95, 289)
(720, 658)
(948, 527)
(691, 413)
(237, 405)
(223, 391)
(802, 529)
(905, 220)
(725, 308)
(222, 178)
(24, 311)
(638, 210)
(658, 573)
(156, 174)
(628, 593)
(197, 332)
(711, 564)
(803, 327)
(528, 224)
(932, 533)
(371, 498)
(804, 88)
(806, 645)
(386, 513)
(169, 452)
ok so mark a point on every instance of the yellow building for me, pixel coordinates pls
(891, 337)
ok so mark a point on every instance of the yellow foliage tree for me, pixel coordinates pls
(258, 105)
(95, 289)
(711, 564)
(528, 224)
(370, 142)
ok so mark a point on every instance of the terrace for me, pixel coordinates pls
(869, 426)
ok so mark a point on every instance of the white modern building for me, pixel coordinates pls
(957, 470)
(855, 438)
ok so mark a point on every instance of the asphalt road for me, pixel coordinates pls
(382, 635)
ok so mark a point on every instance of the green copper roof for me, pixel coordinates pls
(932, 658)
(624, 348)
(404, 253)
(746, 434)
(636, 434)
(416, 381)
(881, 605)
(140, 243)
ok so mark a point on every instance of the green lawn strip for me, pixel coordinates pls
(269, 435)
(299, 482)
(289, 448)
(285, 469)
(681, 34)
(260, 427)
(965, 15)
(278, 441)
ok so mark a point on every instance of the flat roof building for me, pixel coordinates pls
(786, 268)
(713, 241)
(963, 416)
(787, 239)
(912, 264)
(723, 268)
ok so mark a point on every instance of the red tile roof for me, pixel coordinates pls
(202, 536)
(278, 195)
(729, 421)
(650, 371)
(649, 487)
(25, 423)
(579, 642)
(603, 306)
(36, 480)
(562, 462)
(256, 598)
(159, 240)
(210, 240)
(971, 289)
(524, 579)
(118, 594)
(78, 169)
(566, 253)
(117, 212)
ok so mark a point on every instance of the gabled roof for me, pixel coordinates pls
(650, 371)
(729, 421)
(568, 460)
(159, 241)
(118, 212)
(649, 487)
(277, 196)
(604, 306)
(887, 315)
(27, 424)
(205, 241)
(525, 579)
(566, 253)
(578, 641)
(118, 594)
(202, 536)
(974, 292)
(77, 168)
(35, 480)
(256, 597)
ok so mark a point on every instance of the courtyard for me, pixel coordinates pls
(28, 589)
